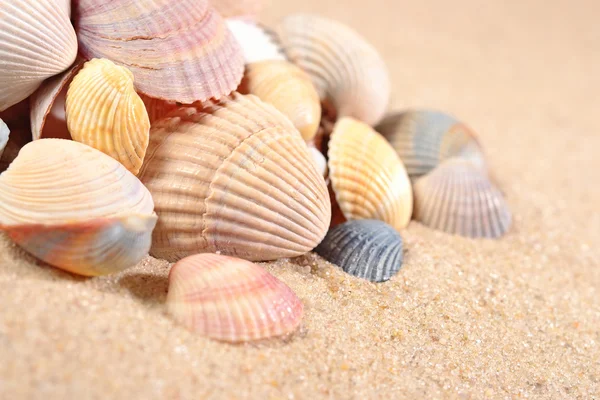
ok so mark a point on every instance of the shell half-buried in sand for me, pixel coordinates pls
(235, 177)
(232, 300)
(75, 208)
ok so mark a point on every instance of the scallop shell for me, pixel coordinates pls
(105, 112)
(425, 138)
(290, 90)
(457, 197)
(235, 177)
(346, 70)
(158, 109)
(75, 208)
(248, 9)
(368, 248)
(232, 300)
(257, 43)
(37, 41)
(4, 134)
(177, 50)
(367, 177)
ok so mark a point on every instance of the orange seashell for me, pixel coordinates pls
(232, 300)
(177, 50)
(248, 9)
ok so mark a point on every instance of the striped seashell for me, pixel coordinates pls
(235, 178)
(369, 249)
(257, 43)
(367, 177)
(457, 197)
(75, 208)
(37, 41)
(104, 111)
(247, 9)
(4, 134)
(231, 300)
(425, 138)
(177, 50)
(347, 71)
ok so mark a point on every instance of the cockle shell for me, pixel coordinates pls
(290, 90)
(457, 197)
(367, 177)
(346, 70)
(425, 138)
(158, 109)
(247, 9)
(367, 248)
(105, 112)
(232, 300)
(235, 177)
(177, 50)
(75, 208)
(4, 134)
(37, 41)
(257, 43)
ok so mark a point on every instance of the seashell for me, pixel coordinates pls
(367, 176)
(4, 134)
(37, 41)
(48, 119)
(319, 160)
(177, 50)
(75, 208)
(157, 109)
(236, 178)
(257, 43)
(367, 248)
(425, 138)
(105, 112)
(290, 90)
(248, 9)
(232, 300)
(347, 71)
(457, 197)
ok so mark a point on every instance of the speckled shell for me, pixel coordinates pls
(177, 50)
(367, 177)
(104, 111)
(232, 300)
(290, 90)
(158, 109)
(37, 41)
(4, 134)
(457, 197)
(257, 43)
(369, 249)
(75, 208)
(346, 70)
(425, 138)
(235, 177)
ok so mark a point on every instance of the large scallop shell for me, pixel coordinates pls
(235, 177)
(105, 112)
(177, 50)
(247, 9)
(425, 138)
(290, 90)
(75, 208)
(4, 134)
(232, 300)
(367, 177)
(257, 43)
(457, 197)
(368, 248)
(346, 70)
(37, 41)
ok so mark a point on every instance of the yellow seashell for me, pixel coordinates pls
(234, 177)
(367, 176)
(290, 90)
(105, 112)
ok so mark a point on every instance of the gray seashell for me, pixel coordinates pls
(367, 248)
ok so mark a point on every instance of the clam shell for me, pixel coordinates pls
(235, 177)
(257, 43)
(104, 111)
(369, 249)
(177, 50)
(367, 176)
(248, 9)
(4, 134)
(346, 70)
(232, 300)
(37, 41)
(425, 138)
(75, 208)
(457, 197)
(158, 109)
(290, 90)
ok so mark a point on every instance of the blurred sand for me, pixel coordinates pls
(514, 318)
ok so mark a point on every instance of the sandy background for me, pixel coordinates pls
(514, 318)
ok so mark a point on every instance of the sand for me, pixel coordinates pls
(513, 318)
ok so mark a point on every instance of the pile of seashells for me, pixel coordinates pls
(188, 131)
